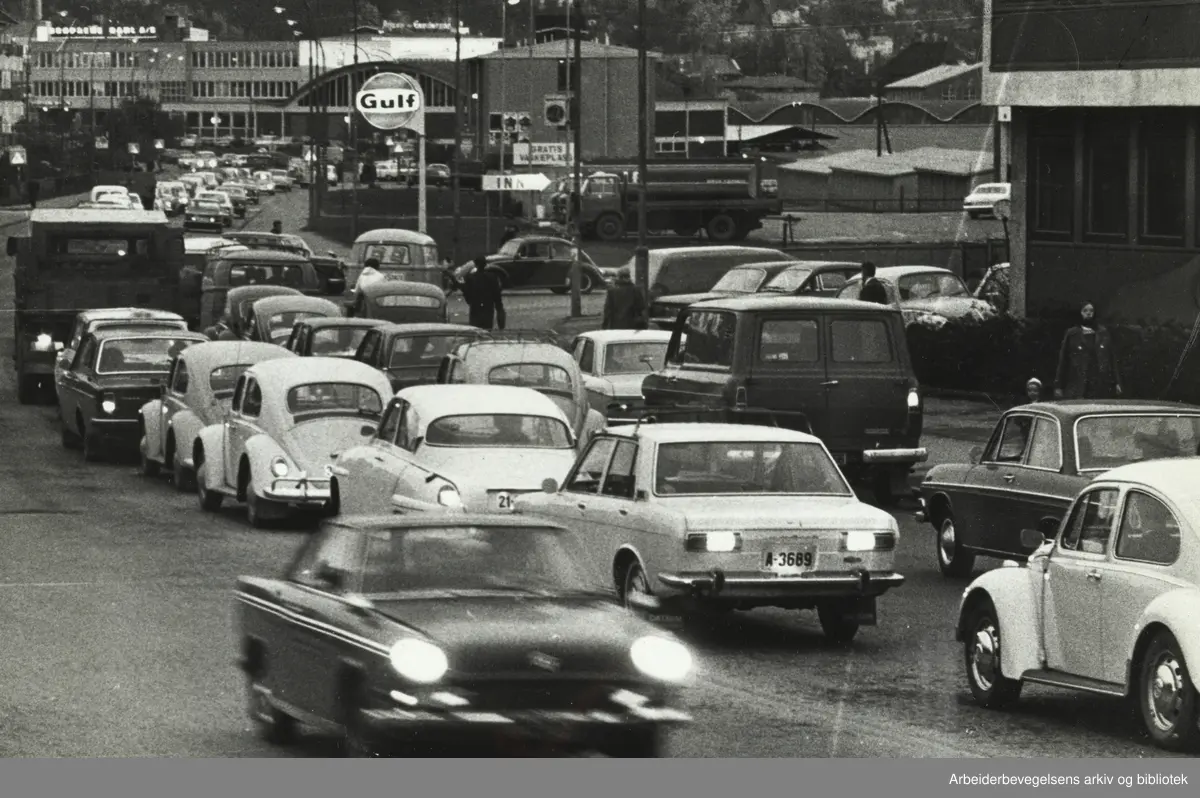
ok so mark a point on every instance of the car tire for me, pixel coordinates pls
(836, 624)
(254, 508)
(181, 476)
(1167, 699)
(274, 725)
(634, 582)
(981, 658)
(148, 467)
(954, 561)
(210, 501)
(610, 227)
(721, 228)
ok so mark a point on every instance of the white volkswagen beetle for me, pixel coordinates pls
(198, 393)
(450, 446)
(1106, 605)
(285, 427)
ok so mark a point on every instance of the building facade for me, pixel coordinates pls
(1103, 128)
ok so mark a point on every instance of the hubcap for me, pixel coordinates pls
(1165, 689)
(985, 655)
(636, 585)
(946, 541)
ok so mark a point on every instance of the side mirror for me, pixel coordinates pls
(1031, 538)
(549, 485)
(368, 430)
(976, 455)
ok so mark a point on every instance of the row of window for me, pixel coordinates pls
(1126, 175)
(245, 59)
(169, 90)
(264, 89)
(226, 59)
(54, 89)
(710, 341)
(75, 59)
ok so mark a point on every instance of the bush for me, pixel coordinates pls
(997, 355)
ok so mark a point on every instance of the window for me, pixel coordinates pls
(1105, 442)
(1148, 532)
(671, 145)
(1106, 176)
(1010, 446)
(747, 467)
(331, 562)
(860, 341)
(1091, 522)
(832, 281)
(619, 481)
(180, 384)
(707, 339)
(391, 423)
(334, 398)
(586, 478)
(1052, 176)
(499, 430)
(222, 379)
(173, 91)
(252, 406)
(742, 280)
(949, 92)
(238, 393)
(410, 429)
(1162, 154)
(1045, 450)
(587, 358)
(789, 341)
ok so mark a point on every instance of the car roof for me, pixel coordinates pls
(242, 293)
(823, 265)
(205, 243)
(97, 215)
(109, 333)
(1070, 409)
(401, 287)
(759, 302)
(279, 374)
(454, 400)
(426, 328)
(665, 252)
(893, 272)
(339, 321)
(128, 314)
(427, 520)
(289, 302)
(626, 336)
(538, 238)
(393, 235)
(490, 349)
(265, 255)
(214, 354)
(710, 432)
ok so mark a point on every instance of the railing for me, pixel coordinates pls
(881, 205)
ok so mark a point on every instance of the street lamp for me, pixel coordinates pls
(642, 253)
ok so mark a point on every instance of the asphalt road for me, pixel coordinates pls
(116, 604)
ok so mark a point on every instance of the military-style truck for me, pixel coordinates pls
(727, 200)
(79, 259)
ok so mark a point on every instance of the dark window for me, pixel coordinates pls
(391, 423)
(1052, 176)
(860, 342)
(180, 384)
(709, 339)
(619, 480)
(253, 404)
(590, 470)
(789, 341)
(1149, 531)
(1106, 176)
(1162, 154)
(564, 74)
(1010, 446)
(587, 360)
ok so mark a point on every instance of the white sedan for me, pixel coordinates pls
(983, 198)
(614, 363)
(442, 447)
(1106, 605)
(693, 518)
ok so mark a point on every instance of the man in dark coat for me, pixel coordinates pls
(1087, 362)
(483, 289)
(624, 307)
(34, 187)
(872, 289)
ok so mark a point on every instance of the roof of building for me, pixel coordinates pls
(922, 159)
(918, 57)
(934, 76)
(846, 109)
(555, 49)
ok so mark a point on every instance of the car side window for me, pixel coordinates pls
(76, 335)
(1009, 446)
(860, 341)
(332, 563)
(85, 355)
(832, 281)
(619, 481)
(1045, 448)
(239, 391)
(708, 339)
(586, 478)
(368, 348)
(587, 357)
(1091, 522)
(252, 404)
(390, 424)
(406, 434)
(293, 341)
(180, 384)
(1149, 531)
(789, 341)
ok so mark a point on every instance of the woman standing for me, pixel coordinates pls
(1087, 362)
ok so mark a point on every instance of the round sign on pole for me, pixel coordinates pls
(390, 101)
(1002, 209)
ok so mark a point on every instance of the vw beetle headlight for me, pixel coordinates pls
(660, 658)
(419, 661)
(279, 468)
(448, 496)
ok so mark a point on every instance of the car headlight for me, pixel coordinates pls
(714, 541)
(43, 343)
(867, 541)
(279, 467)
(108, 403)
(448, 496)
(660, 658)
(419, 661)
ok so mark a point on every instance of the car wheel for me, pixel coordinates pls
(210, 501)
(981, 653)
(610, 227)
(254, 508)
(274, 725)
(148, 467)
(634, 586)
(1166, 696)
(587, 284)
(954, 561)
(837, 624)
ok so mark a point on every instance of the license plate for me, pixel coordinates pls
(792, 560)
(504, 501)
(394, 277)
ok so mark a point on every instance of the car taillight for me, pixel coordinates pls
(914, 400)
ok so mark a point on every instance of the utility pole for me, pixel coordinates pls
(642, 253)
(354, 167)
(573, 197)
(456, 175)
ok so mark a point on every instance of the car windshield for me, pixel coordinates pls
(930, 285)
(741, 281)
(787, 281)
(477, 561)
(337, 341)
(280, 325)
(634, 358)
(205, 206)
(1105, 442)
(131, 355)
(334, 399)
(749, 467)
(222, 380)
(390, 254)
(422, 350)
(290, 275)
(499, 430)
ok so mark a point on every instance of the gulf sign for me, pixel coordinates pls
(389, 101)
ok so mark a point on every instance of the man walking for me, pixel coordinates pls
(872, 289)
(483, 289)
(1087, 362)
(624, 307)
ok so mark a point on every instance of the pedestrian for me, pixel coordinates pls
(872, 290)
(277, 227)
(483, 290)
(1033, 389)
(34, 187)
(1087, 362)
(624, 307)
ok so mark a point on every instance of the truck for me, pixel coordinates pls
(727, 200)
(77, 259)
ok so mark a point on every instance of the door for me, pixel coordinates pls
(585, 351)
(76, 385)
(357, 469)
(529, 263)
(557, 269)
(1039, 489)
(987, 525)
(174, 399)
(787, 370)
(578, 505)
(868, 384)
(699, 362)
(241, 425)
(618, 521)
(1074, 606)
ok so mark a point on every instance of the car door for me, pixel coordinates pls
(991, 483)
(1039, 490)
(174, 399)
(699, 361)
(585, 351)
(63, 362)
(787, 368)
(867, 382)
(556, 269)
(619, 520)
(241, 425)
(1144, 566)
(530, 262)
(75, 388)
(578, 507)
(1074, 607)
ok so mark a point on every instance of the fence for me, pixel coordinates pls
(881, 205)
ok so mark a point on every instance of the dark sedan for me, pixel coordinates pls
(1038, 459)
(410, 354)
(204, 215)
(114, 372)
(785, 278)
(329, 337)
(452, 629)
(544, 262)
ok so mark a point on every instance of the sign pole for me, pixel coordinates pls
(391, 101)
(422, 187)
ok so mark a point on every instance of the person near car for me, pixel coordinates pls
(34, 188)
(483, 290)
(1087, 361)
(872, 289)
(1033, 389)
(624, 306)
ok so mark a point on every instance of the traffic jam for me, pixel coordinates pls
(510, 537)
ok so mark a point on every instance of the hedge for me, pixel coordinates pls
(998, 355)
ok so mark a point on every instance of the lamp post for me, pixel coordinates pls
(503, 84)
(642, 253)
(456, 175)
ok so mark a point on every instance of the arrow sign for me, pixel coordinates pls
(535, 182)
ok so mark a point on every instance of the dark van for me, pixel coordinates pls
(837, 368)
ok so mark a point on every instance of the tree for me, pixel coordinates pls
(140, 122)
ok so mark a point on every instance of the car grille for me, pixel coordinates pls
(572, 694)
(129, 402)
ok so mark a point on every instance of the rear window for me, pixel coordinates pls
(407, 301)
(223, 379)
(531, 375)
(290, 275)
(860, 341)
(789, 341)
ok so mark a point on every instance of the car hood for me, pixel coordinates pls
(313, 444)
(625, 385)
(494, 635)
(778, 512)
(475, 471)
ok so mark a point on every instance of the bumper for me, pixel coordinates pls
(715, 585)
(117, 429)
(913, 455)
(576, 727)
(299, 491)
